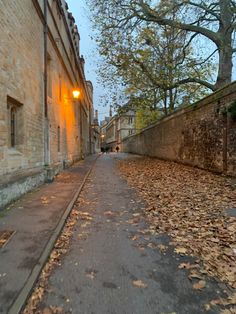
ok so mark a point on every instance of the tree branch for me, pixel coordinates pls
(205, 8)
(205, 60)
(151, 15)
(194, 80)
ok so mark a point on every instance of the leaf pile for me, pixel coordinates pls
(189, 204)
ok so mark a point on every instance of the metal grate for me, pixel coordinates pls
(5, 236)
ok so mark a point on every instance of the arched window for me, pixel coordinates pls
(15, 123)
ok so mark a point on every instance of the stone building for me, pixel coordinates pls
(119, 127)
(111, 133)
(125, 126)
(42, 127)
(96, 135)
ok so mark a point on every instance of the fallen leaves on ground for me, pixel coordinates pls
(109, 213)
(91, 274)
(59, 250)
(229, 311)
(181, 250)
(44, 200)
(139, 284)
(189, 204)
(199, 285)
(52, 310)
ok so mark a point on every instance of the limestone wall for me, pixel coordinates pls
(201, 135)
(22, 102)
(21, 78)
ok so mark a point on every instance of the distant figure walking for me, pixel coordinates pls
(117, 149)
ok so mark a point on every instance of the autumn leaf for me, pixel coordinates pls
(139, 284)
(207, 307)
(199, 285)
(181, 250)
(162, 247)
(229, 311)
(108, 213)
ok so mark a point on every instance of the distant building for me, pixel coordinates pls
(125, 126)
(103, 130)
(119, 127)
(111, 134)
(42, 128)
(96, 138)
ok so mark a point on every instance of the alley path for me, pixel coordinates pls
(113, 265)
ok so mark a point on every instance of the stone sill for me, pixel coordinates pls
(14, 152)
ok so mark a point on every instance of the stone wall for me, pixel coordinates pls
(201, 135)
(41, 145)
(21, 77)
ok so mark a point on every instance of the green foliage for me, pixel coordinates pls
(145, 63)
(145, 117)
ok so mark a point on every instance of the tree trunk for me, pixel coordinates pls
(225, 66)
(165, 103)
(225, 47)
(171, 104)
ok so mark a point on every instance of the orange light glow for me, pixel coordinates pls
(76, 93)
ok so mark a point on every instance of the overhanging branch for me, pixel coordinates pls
(151, 15)
(194, 80)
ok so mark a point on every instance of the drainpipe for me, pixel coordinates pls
(45, 32)
(81, 135)
(46, 122)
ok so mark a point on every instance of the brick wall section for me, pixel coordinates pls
(199, 135)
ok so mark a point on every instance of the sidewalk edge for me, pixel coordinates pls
(24, 294)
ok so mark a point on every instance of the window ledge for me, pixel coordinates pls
(14, 152)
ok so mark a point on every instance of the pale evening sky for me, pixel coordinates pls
(88, 49)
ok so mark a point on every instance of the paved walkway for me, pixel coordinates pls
(36, 219)
(114, 265)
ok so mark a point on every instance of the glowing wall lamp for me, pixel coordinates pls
(76, 93)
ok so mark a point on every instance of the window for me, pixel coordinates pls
(49, 75)
(15, 122)
(130, 132)
(130, 120)
(13, 126)
(58, 139)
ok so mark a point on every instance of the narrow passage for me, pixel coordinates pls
(115, 264)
